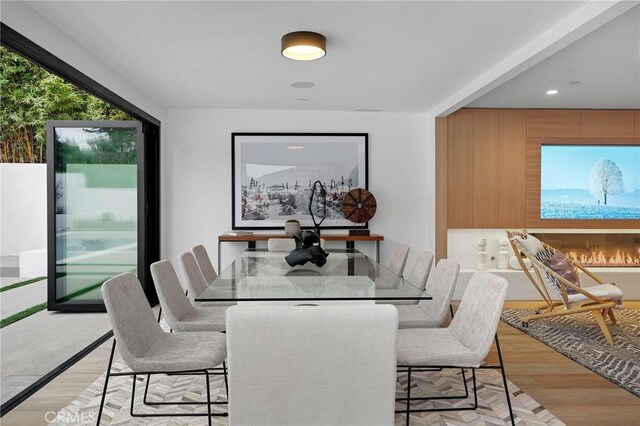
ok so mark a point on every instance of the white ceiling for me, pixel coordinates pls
(606, 62)
(391, 56)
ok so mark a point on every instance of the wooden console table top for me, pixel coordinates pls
(326, 237)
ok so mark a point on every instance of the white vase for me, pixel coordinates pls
(291, 227)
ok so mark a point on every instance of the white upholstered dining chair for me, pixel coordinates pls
(432, 313)
(204, 262)
(281, 244)
(178, 311)
(195, 281)
(146, 349)
(418, 275)
(463, 344)
(399, 259)
(315, 365)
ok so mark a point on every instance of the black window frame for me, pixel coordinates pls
(149, 157)
(149, 190)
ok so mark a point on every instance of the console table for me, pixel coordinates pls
(349, 240)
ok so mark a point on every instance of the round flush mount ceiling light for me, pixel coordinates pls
(303, 46)
(552, 92)
(303, 84)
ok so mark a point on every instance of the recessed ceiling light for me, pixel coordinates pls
(303, 46)
(574, 82)
(295, 147)
(552, 92)
(303, 84)
(367, 110)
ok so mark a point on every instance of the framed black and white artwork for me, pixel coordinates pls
(274, 173)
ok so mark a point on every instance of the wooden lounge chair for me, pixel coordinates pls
(600, 299)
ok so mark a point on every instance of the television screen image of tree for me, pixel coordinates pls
(359, 205)
(606, 179)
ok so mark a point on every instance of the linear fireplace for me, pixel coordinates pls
(602, 249)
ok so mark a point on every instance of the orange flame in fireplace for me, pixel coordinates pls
(600, 259)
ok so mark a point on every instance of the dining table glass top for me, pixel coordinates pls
(259, 275)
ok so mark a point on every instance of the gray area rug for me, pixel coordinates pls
(492, 406)
(578, 337)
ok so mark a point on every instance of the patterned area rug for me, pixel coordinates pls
(492, 406)
(578, 337)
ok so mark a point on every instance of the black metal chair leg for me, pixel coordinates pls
(133, 394)
(159, 314)
(408, 394)
(226, 380)
(206, 374)
(475, 389)
(106, 381)
(504, 380)
(451, 310)
(146, 390)
(427, 398)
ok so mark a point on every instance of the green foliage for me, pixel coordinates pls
(22, 314)
(21, 283)
(29, 96)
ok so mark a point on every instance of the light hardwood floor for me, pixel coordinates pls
(571, 392)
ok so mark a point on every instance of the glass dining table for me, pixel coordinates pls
(349, 276)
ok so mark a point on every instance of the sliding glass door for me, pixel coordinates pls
(95, 181)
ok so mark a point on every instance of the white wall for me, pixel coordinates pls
(197, 172)
(23, 208)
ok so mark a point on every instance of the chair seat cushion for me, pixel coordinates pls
(202, 319)
(609, 291)
(433, 347)
(414, 317)
(183, 352)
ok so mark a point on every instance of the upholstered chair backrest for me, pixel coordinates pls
(421, 269)
(132, 320)
(399, 259)
(192, 274)
(204, 262)
(440, 287)
(338, 352)
(476, 319)
(281, 244)
(175, 305)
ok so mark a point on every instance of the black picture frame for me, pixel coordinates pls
(346, 147)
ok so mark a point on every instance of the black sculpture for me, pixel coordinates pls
(320, 192)
(307, 250)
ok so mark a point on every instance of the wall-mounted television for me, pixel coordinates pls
(590, 182)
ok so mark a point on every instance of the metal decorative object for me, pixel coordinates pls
(319, 194)
(359, 205)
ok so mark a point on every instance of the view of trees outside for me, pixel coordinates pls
(30, 96)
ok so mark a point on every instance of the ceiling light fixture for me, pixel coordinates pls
(303, 46)
(295, 147)
(303, 84)
(552, 92)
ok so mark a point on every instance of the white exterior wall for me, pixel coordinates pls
(23, 208)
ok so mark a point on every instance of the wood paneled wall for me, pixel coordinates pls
(490, 177)
(486, 168)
